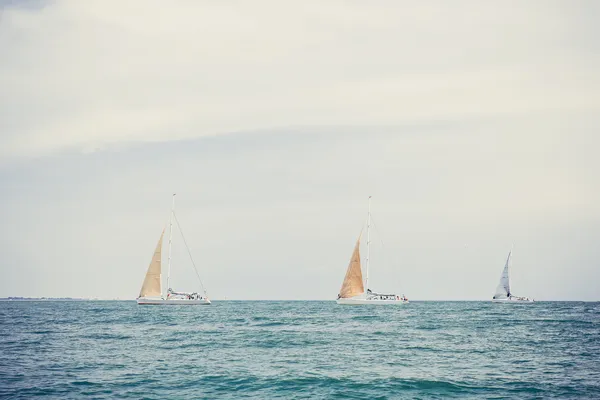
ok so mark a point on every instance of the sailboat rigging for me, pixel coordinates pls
(151, 291)
(353, 290)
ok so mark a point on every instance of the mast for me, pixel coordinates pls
(170, 240)
(508, 265)
(368, 243)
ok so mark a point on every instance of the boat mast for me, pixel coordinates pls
(368, 242)
(170, 240)
(508, 262)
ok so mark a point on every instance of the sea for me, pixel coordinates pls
(299, 350)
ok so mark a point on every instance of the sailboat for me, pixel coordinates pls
(353, 290)
(151, 292)
(503, 293)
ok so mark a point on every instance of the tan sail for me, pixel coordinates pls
(152, 285)
(353, 281)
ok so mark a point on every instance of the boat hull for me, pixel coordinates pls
(172, 302)
(370, 302)
(512, 301)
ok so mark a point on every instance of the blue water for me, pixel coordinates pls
(298, 350)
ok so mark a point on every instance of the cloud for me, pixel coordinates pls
(275, 215)
(95, 74)
(474, 126)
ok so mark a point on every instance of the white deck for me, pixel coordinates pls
(357, 301)
(512, 300)
(182, 302)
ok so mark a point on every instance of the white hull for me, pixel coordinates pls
(511, 301)
(357, 302)
(186, 302)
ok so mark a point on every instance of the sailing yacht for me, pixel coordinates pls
(353, 290)
(503, 293)
(151, 292)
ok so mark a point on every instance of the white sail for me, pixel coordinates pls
(503, 289)
(152, 282)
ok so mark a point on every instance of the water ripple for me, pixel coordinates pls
(299, 350)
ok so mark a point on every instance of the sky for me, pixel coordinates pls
(474, 126)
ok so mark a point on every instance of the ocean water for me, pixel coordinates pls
(299, 350)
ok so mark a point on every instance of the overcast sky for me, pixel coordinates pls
(474, 125)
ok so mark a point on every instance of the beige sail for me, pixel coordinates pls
(152, 285)
(353, 281)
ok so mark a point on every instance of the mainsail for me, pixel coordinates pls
(353, 281)
(152, 285)
(503, 289)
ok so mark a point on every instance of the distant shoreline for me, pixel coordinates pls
(42, 299)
